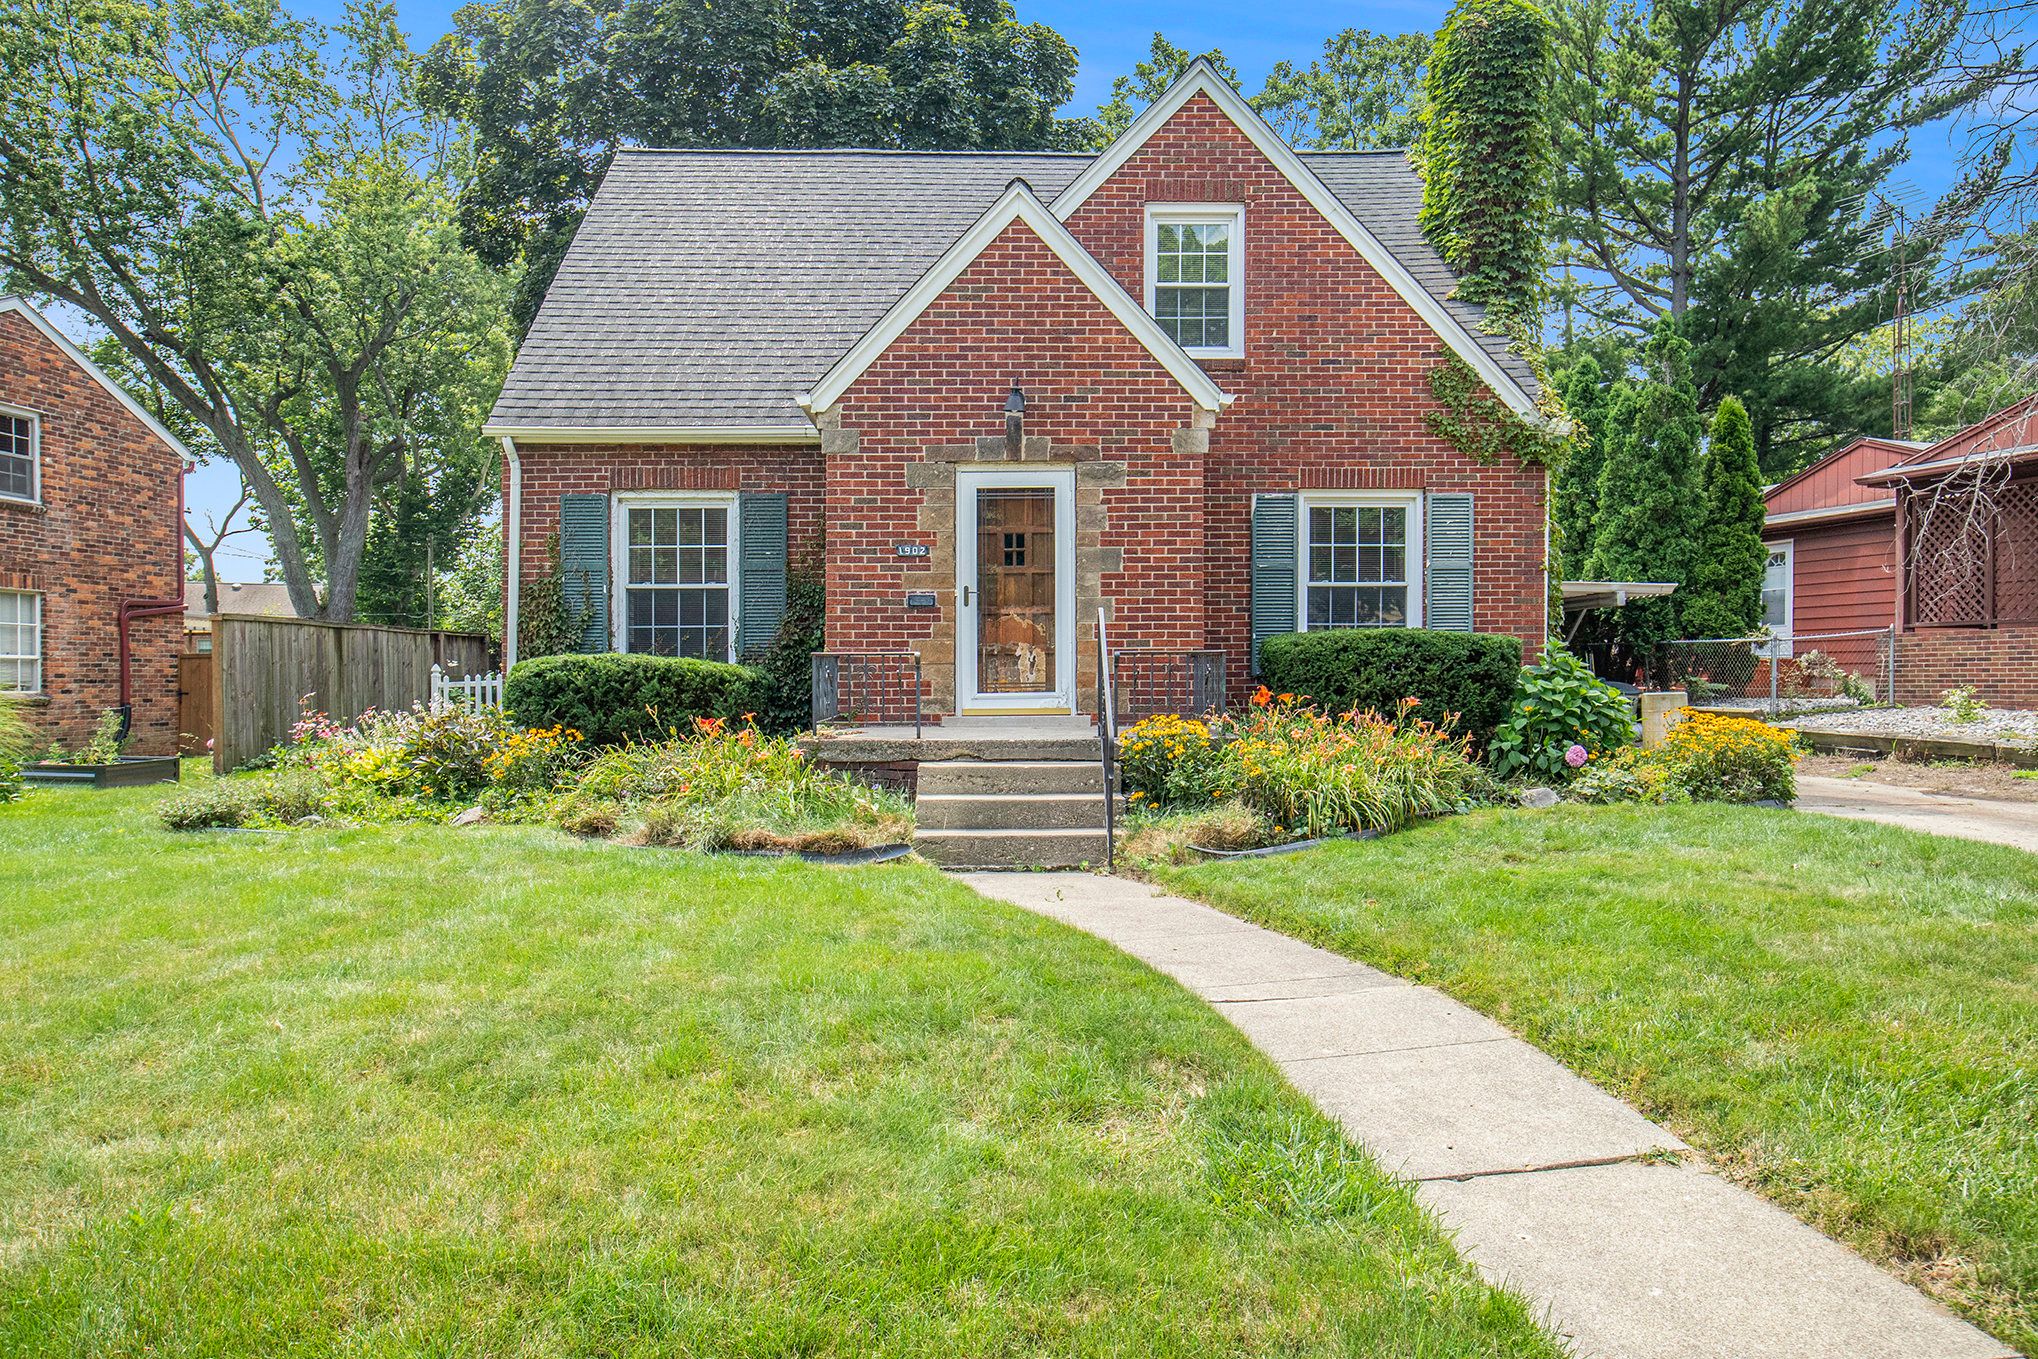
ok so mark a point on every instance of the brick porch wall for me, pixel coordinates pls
(1333, 384)
(2001, 664)
(106, 532)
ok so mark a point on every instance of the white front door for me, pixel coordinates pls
(1015, 589)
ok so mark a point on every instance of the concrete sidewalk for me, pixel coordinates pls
(1969, 818)
(1553, 1188)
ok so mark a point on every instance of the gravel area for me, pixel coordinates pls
(1994, 724)
(1785, 707)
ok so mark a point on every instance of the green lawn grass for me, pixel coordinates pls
(498, 1092)
(1844, 1014)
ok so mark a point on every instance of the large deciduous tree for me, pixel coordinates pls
(1486, 154)
(1723, 597)
(1364, 92)
(260, 220)
(552, 87)
(1725, 164)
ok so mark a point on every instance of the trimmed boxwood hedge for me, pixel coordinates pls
(1472, 674)
(612, 697)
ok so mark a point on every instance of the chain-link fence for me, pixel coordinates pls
(1805, 670)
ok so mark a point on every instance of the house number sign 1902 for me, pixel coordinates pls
(911, 549)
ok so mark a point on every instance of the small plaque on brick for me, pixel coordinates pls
(911, 549)
(920, 599)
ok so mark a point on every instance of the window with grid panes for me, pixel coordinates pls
(676, 586)
(1194, 259)
(17, 455)
(1356, 560)
(21, 641)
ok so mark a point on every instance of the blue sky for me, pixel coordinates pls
(1109, 38)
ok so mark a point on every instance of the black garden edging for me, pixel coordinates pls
(128, 771)
(1292, 847)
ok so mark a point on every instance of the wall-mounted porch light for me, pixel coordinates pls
(1015, 421)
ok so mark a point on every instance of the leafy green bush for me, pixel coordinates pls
(285, 797)
(1169, 763)
(1469, 674)
(1560, 704)
(612, 698)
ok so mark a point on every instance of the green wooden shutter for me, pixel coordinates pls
(1447, 574)
(760, 521)
(584, 564)
(1273, 569)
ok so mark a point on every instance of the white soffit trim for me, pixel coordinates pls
(1017, 204)
(1861, 507)
(76, 355)
(657, 434)
(1202, 79)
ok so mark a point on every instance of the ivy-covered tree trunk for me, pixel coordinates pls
(1486, 154)
(1724, 598)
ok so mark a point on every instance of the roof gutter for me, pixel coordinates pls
(657, 434)
(513, 555)
(1861, 509)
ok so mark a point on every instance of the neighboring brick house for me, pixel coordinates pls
(91, 552)
(1938, 540)
(1182, 381)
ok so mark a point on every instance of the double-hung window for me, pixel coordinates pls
(20, 438)
(1195, 277)
(21, 641)
(1361, 562)
(677, 578)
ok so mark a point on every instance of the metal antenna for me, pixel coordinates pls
(1900, 344)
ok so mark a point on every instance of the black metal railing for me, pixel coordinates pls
(1107, 740)
(1146, 681)
(867, 688)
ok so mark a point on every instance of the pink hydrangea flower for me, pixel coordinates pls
(1576, 756)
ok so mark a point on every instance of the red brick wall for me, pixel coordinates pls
(106, 531)
(2001, 664)
(1016, 314)
(553, 470)
(1334, 380)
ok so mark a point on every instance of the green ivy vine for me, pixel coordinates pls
(1471, 419)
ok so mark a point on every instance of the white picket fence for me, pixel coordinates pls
(474, 691)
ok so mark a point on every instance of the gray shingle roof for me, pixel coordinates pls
(711, 288)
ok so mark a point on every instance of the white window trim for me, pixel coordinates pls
(41, 649)
(34, 419)
(1417, 562)
(619, 552)
(1786, 644)
(1158, 214)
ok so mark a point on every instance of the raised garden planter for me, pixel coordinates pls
(126, 772)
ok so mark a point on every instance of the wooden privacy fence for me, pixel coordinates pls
(265, 670)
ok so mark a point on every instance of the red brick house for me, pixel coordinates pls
(1939, 541)
(1182, 381)
(91, 547)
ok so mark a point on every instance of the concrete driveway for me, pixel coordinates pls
(1968, 818)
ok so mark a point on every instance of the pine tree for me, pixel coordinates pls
(1724, 596)
(1586, 396)
(1648, 505)
(1486, 154)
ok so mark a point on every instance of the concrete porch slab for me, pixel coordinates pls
(1672, 1261)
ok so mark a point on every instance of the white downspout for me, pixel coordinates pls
(513, 545)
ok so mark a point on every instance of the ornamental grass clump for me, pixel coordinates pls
(729, 787)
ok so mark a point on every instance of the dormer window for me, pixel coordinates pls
(1195, 276)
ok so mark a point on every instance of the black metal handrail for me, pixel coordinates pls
(1107, 741)
(867, 687)
(1146, 681)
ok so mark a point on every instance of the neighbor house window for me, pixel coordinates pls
(21, 641)
(19, 436)
(1195, 276)
(1359, 563)
(676, 580)
(1777, 604)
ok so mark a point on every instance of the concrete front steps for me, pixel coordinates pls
(1026, 812)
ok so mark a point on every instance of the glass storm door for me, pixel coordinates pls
(1015, 586)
